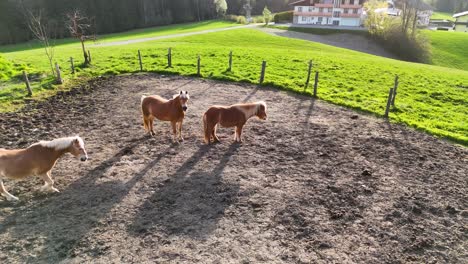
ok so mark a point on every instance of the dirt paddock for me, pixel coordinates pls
(315, 183)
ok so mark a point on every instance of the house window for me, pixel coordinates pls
(330, 10)
(336, 14)
(320, 19)
(342, 2)
(346, 10)
(310, 9)
(299, 8)
(321, 10)
(304, 19)
(355, 11)
(336, 22)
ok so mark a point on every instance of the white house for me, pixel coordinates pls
(328, 12)
(461, 23)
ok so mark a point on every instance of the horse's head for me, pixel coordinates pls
(261, 110)
(184, 97)
(77, 148)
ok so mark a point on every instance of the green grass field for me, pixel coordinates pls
(442, 15)
(449, 49)
(430, 98)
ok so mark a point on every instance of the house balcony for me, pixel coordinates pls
(323, 5)
(351, 6)
(315, 14)
(350, 15)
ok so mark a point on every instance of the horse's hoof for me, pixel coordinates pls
(53, 189)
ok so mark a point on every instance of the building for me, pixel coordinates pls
(461, 22)
(424, 12)
(328, 12)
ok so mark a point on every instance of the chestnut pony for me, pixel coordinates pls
(231, 116)
(38, 159)
(172, 110)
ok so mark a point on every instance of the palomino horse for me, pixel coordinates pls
(38, 159)
(165, 110)
(231, 116)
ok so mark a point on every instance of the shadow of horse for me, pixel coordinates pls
(192, 200)
(61, 222)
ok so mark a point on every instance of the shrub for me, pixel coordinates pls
(237, 19)
(6, 69)
(258, 19)
(283, 17)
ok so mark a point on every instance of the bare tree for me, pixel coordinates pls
(40, 29)
(79, 26)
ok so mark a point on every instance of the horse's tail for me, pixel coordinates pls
(205, 129)
(144, 114)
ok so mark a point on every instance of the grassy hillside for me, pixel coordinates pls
(449, 49)
(442, 15)
(430, 98)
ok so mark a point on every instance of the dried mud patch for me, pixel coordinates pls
(314, 183)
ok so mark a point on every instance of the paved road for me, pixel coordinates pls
(342, 40)
(132, 41)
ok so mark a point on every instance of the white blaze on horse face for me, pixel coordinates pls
(184, 97)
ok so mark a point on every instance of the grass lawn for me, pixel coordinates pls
(429, 98)
(442, 15)
(449, 49)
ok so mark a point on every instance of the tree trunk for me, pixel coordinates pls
(85, 55)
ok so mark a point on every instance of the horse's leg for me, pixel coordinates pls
(151, 121)
(215, 138)
(48, 183)
(8, 195)
(239, 133)
(174, 131)
(180, 130)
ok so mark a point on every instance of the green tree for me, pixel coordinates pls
(266, 15)
(221, 7)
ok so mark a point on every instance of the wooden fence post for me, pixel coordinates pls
(308, 74)
(395, 86)
(72, 65)
(262, 73)
(59, 76)
(89, 56)
(26, 80)
(139, 58)
(169, 57)
(198, 65)
(316, 83)
(230, 61)
(389, 101)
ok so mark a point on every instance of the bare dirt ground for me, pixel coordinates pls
(341, 40)
(315, 183)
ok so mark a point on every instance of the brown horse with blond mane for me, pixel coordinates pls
(38, 160)
(231, 116)
(172, 110)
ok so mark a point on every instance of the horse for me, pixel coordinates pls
(37, 160)
(231, 116)
(172, 110)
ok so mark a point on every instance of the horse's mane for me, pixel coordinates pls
(60, 143)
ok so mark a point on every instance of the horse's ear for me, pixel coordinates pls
(180, 92)
(186, 92)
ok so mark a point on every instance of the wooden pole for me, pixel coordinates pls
(59, 76)
(72, 65)
(198, 65)
(395, 86)
(316, 83)
(262, 73)
(139, 58)
(89, 56)
(26, 80)
(230, 61)
(308, 74)
(169, 57)
(389, 101)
